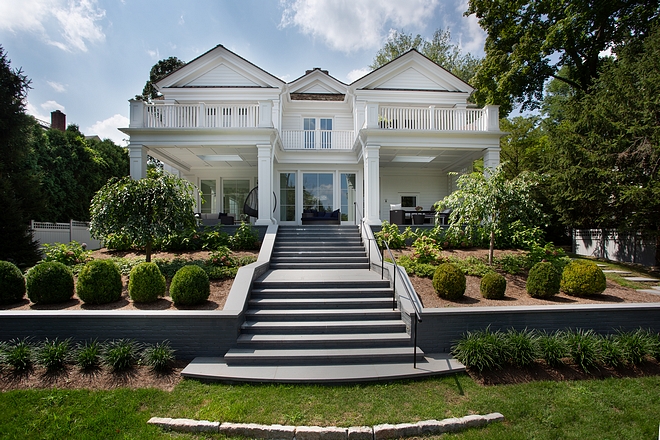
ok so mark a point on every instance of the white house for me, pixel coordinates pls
(390, 137)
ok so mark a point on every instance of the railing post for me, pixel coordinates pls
(201, 118)
(393, 287)
(414, 315)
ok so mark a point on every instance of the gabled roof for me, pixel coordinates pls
(218, 68)
(317, 83)
(412, 71)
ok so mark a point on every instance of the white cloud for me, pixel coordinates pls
(350, 25)
(471, 38)
(357, 74)
(107, 129)
(36, 112)
(59, 88)
(153, 54)
(74, 21)
(50, 106)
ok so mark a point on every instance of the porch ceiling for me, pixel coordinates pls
(187, 158)
(444, 159)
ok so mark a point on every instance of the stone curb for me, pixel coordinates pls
(283, 432)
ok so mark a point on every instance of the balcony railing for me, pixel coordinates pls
(200, 115)
(318, 139)
(430, 118)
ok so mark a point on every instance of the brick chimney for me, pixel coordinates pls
(58, 120)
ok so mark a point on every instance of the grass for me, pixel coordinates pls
(610, 408)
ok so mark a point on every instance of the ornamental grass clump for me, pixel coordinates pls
(492, 286)
(49, 283)
(190, 286)
(582, 278)
(449, 282)
(87, 355)
(611, 354)
(543, 280)
(54, 354)
(583, 348)
(146, 283)
(551, 348)
(122, 354)
(482, 350)
(12, 283)
(159, 356)
(19, 355)
(635, 346)
(519, 347)
(99, 282)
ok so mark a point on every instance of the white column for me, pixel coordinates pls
(138, 157)
(491, 160)
(371, 158)
(265, 173)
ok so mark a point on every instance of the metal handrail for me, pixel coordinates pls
(417, 310)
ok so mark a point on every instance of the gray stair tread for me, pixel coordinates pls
(290, 353)
(217, 369)
(338, 266)
(289, 275)
(321, 259)
(616, 271)
(323, 324)
(358, 302)
(312, 338)
(649, 291)
(297, 290)
(257, 313)
(642, 279)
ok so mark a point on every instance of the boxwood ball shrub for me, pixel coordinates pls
(99, 282)
(449, 281)
(582, 278)
(49, 282)
(190, 286)
(12, 283)
(543, 280)
(146, 283)
(493, 286)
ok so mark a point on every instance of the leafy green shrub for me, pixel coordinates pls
(68, 254)
(582, 278)
(118, 242)
(190, 286)
(412, 267)
(169, 267)
(493, 286)
(654, 345)
(472, 266)
(610, 351)
(548, 252)
(510, 263)
(221, 273)
(12, 283)
(481, 349)
(583, 348)
(389, 233)
(125, 265)
(158, 356)
(635, 346)
(146, 283)
(449, 282)
(426, 251)
(221, 257)
(551, 348)
(121, 354)
(520, 347)
(53, 355)
(99, 282)
(543, 280)
(19, 354)
(244, 238)
(245, 260)
(49, 282)
(87, 355)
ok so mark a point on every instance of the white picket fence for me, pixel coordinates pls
(614, 246)
(49, 233)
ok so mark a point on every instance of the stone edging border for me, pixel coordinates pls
(282, 432)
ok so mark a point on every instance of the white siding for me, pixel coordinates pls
(412, 79)
(222, 76)
(292, 122)
(318, 88)
(428, 187)
(343, 122)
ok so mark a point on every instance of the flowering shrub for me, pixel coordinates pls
(67, 254)
(389, 233)
(221, 258)
(426, 250)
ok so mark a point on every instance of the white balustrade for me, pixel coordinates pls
(201, 115)
(430, 118)
(318, 139)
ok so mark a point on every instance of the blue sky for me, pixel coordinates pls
(88, 57)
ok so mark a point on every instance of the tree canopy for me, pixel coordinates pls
(159, 71)
(532, 41)
(439, 49)
(143, 210)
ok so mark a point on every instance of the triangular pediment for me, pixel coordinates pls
(317, 82)
(222, 76)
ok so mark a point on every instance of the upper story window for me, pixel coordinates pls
(318, 131)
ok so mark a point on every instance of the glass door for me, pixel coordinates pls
(348, 196)
(208, 196)
(234, 193)
(287, 197)
(318, 191)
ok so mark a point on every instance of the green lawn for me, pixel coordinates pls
(594, 409)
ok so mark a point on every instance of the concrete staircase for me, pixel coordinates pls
(320, 315)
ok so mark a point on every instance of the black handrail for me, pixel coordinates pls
(417, 310)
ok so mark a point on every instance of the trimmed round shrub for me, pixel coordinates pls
(449, 281)
(12, 283)
(49, 282)
(543, 280)
(493, 286)
(582, 278)
(146, 283)
(99, 282)
(190, 286)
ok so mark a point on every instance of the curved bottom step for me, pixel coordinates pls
(215, 369)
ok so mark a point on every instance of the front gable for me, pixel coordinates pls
(316, 85)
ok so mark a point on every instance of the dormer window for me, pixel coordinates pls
(320, 137)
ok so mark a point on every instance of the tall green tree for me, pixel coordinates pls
(439, 49)
(143, 210)
(525, 145)
(159, 71)
(19, 185)
(532, 41)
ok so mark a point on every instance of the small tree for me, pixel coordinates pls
(489, 206)
(143, 210)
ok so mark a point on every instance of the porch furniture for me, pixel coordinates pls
(212, 219)
(314, 217)
(397, 216)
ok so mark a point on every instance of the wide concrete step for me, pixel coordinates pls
(320, 259)
(318, 355)
(311, 283)
(310, 253)
(319, 265)
(311, 247)
(325, 340)
(317, 327)
(317, 233)
(321, 303)
(321, 293)
(319, 242)
(335, 314)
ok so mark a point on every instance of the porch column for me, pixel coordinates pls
(491, 160)
(265, 173)
(138, 157)
(371, 158)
